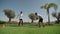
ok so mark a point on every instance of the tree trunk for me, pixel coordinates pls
(58, 20)
(48, 17)
(32, 21)
(9, 19)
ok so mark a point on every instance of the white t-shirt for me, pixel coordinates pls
(40, 15)
(20, 16)
(37, 16)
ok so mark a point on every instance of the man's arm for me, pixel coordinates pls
(17, 15)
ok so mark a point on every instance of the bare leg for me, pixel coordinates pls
(39, 24)
(22, 22)
(19, 23)
(43, 24)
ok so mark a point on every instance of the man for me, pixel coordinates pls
(40, 19)
(20, 18)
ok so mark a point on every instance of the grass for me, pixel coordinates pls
(30, 29)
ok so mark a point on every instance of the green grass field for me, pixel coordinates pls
(30, 29)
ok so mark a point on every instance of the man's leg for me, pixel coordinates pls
(42, 23)
(22, 22)
(19, 22)
(39, 23)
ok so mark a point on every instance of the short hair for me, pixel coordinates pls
(21, 12)
(35, 13)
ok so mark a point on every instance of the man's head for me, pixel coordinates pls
(21, 12)
(35, 13)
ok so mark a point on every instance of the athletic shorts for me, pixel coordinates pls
(40, 20)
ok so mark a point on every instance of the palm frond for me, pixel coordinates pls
(54, 5)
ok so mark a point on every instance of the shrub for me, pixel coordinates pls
(2, 22)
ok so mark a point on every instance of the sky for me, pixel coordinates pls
(27, 7)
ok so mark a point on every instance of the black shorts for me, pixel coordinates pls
(41, 20)
(20, 19)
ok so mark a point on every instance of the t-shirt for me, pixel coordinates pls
(20, 16)
(39, 16)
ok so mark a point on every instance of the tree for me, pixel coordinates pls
(47, 6)
(32, 17)
(57, 16)
(9, 13)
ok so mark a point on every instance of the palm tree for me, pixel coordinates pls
(47, 6)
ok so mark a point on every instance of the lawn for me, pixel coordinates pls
(30, 29)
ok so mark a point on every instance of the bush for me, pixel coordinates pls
(2, 22)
